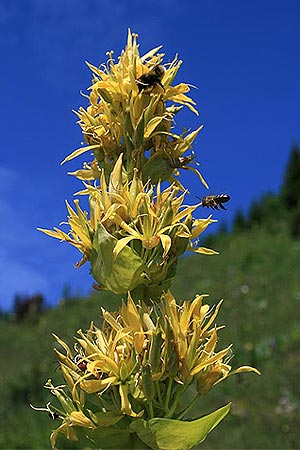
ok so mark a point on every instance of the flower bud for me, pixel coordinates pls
(207, 378)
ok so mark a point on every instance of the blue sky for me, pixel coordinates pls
(242, 56)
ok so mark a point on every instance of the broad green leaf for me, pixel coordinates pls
(104, 419)
(169, 434)
(119, 274)
(156, 168)
(110, 438)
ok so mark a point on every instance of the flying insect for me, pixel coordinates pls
(151, 78)
(214, 201)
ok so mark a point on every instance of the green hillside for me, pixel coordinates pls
(257, 274)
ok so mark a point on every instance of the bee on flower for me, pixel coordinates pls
(125, 380)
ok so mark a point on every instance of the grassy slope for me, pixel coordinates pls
(257, 273)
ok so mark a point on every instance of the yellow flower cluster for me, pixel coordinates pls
(134, 234)
(141, 362)
(123, 118)
(135, 230)
(128, 377)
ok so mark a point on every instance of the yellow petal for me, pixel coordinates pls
(245, 369)
(204, 251)
(115, 179)
(92, 386)
(200, 176)
(214, 315)
(200, 225)
(125, 404)
(77, 418)
(79, 152)
(150, 53)
(166, 242)
(109, 318)
(121, 244)
(57, 233)
(151, 125)
(130, 313)
(210, 360)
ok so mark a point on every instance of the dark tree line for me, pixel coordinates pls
(271, 208)
(290, 191)
(24, 306)
(30, 306)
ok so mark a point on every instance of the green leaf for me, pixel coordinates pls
(105, 95)
(169, 434)
(157, 168)
(118, 274)
(128, 129)
(104, 419)
(139, 132)
(110, 438)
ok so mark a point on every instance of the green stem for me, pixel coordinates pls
(175, 402)
(168, 395)
(103, 403)
(189, 407)
(160, 400)
(151, 412)
(115, 398)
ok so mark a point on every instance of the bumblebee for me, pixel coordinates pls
(215, 201)
(151, 78)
